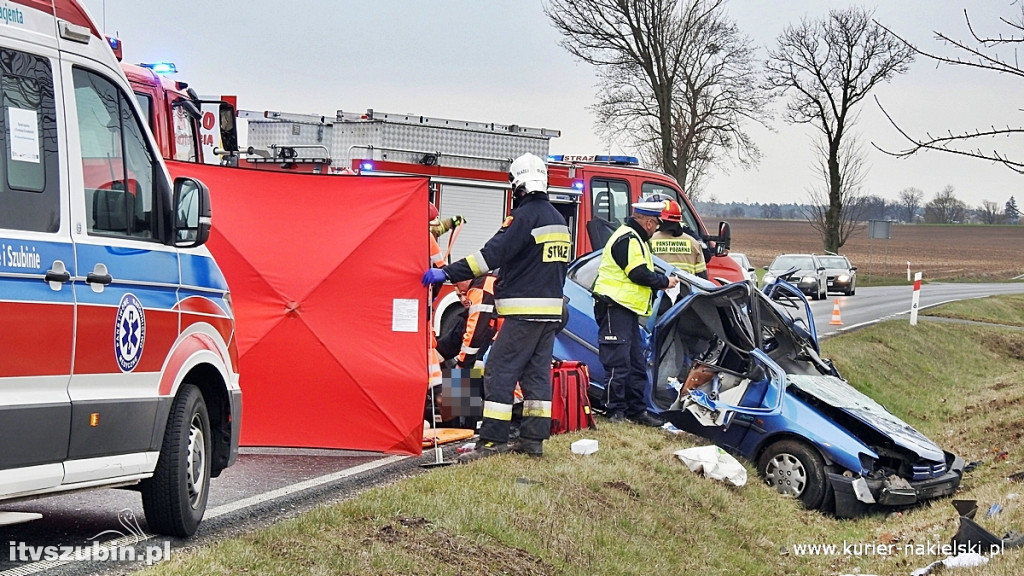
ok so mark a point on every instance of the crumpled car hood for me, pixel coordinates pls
(838, 393)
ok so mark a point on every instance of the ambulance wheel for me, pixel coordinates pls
(174, 499)
(794, 468)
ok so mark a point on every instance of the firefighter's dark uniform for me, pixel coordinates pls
(532, 249)
(622, 292)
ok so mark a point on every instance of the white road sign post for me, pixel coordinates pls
(916, 300)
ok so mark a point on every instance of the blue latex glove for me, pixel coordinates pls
(433, 276)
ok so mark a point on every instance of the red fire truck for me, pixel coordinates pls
(466, 162)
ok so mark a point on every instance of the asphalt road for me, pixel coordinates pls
(878, 303)
(267, 485)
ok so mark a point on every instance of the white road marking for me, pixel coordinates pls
(113, 545)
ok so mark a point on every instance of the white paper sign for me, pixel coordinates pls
(405, 315)
(23, 134)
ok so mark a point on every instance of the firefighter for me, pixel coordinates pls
(675, 246)
(623, 291)
(532, 248)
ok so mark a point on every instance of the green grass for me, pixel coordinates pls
(1008, 310)
(634, 508)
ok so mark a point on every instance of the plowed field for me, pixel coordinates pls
(982, 253)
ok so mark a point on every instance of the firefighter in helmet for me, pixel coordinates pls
(532, 248)
(673, 245)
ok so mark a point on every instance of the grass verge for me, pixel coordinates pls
(633, 508)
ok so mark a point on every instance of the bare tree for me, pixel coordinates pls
(830, 66)
(852, 172)
(910, 201)
(945, 208)
(980, 52)
(678, 79)
(990, 212)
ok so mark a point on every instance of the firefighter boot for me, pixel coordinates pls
(483, 449)
(528, 446)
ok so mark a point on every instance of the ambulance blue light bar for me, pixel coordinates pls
(162, 67)
(366, 166)
(625, 160)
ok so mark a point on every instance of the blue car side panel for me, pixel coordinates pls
(799, 419)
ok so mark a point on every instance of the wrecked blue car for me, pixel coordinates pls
(741, 368)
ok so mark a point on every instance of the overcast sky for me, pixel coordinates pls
(499, 61)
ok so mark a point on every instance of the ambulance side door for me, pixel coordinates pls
(37, 312)
(129, 278)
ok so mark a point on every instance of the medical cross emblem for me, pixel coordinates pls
(129, 332)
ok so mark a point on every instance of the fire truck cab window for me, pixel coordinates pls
(611, 199)
(117, 164)
(185, 135)
(650, 188)
(29, 177)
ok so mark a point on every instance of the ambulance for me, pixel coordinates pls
(119, 364)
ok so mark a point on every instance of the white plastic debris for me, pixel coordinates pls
(671, 429)
(584, 446)
(714, 463)
(965, 560)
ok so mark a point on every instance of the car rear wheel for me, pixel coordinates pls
(174, 499)
(795, 469)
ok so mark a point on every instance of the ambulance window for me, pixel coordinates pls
(611, 199)
(117, 164)
(689, 219)
(29, 196)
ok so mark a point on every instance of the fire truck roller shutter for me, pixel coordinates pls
(484, 210)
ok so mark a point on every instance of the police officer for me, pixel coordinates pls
(532, 249)
(624, 290)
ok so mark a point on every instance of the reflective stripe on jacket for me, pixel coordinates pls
(482, 323)
(612, 280)
(532, 249)
(682, 251)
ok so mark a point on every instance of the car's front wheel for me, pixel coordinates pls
(796, 469)
(174, 499)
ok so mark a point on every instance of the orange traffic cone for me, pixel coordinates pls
(835, 315)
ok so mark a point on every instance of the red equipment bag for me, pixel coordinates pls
(570, 405)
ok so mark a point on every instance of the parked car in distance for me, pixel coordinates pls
(840, 274)
(748, 269)
(742, 368)
(804, 271)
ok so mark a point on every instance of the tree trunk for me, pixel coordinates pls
(834, 214)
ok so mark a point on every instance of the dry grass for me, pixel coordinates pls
(940, 252)
(633, 508)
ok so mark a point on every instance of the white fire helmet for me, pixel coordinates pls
(529, 172)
